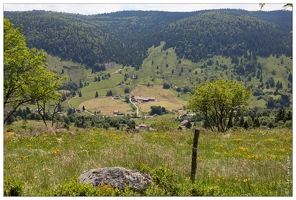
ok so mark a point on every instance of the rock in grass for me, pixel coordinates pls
(117, 177)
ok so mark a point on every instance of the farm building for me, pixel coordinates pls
(151, 99)
(142, 126)
(142, 99)
(184, 122)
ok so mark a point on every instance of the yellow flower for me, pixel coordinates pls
(218, 176)
(56, 151)
(282, 150)
(243, 149)
(246, 180)
(272, 156)
(269, 140)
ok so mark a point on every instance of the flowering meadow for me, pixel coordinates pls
(254, 162)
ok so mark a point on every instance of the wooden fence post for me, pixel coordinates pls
(194, 154)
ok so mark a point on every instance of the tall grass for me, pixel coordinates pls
(238, 163)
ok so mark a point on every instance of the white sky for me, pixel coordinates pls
(93, 7)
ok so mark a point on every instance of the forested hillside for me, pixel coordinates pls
(124, 37)
(225, 33)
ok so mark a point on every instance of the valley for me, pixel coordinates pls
(157, 70)
(161, 55)
(128, 89)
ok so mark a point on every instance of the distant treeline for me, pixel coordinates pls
(124, 37)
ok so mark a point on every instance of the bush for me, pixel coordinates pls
(270, 125)
(166, 86)
(13, 187)
(166, 180)
(74, 188)
(288, 124)
(154, 190)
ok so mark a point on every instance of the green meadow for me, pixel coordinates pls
(254, 162)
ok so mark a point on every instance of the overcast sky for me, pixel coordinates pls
(92, 7)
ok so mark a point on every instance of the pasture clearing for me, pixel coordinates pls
(106, 105)
(164, 98)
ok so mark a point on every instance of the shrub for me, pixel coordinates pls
(288, 124)
(13, 187)
(270, 125)
(166, 86)
(166, 180)
(74, 188)
(154, 190)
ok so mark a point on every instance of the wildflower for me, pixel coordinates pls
(269, 140)
(56, 151)
(246, 180)
(243, 149)
(218, 177)
(282, 150)
(272, 156)
(251, 156)
(10, 133)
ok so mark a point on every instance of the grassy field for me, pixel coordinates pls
(73, 71)
(89, 91)
(254, 162)
(106, 105)
(164, 98)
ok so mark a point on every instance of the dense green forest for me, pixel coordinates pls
(124, 37)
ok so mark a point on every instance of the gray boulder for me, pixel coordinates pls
(117, 177)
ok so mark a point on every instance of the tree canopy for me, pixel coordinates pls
(124, 37)
(217, 101)
(26, 79)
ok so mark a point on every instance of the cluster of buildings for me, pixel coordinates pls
(142, 99)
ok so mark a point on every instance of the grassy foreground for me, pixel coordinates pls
(240, 162)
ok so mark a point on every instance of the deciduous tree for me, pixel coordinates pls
(26, 78)
(217, 102)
